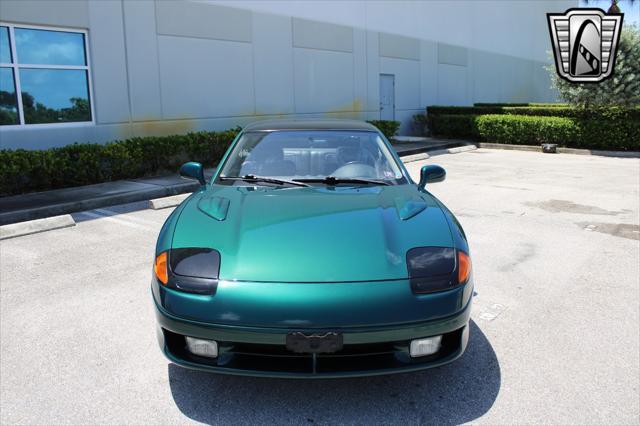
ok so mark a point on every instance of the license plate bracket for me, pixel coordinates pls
(314, 343)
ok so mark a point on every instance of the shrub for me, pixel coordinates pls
(608, 129)
(454, 126)
(498, 104)
(389, 128)
(82, 164)
(419, 122)
(466, 110)
(529, 104)
(558, 110)
(524, 130)
(612, 129)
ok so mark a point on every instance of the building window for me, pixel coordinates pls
(44, 76)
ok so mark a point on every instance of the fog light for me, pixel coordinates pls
(423, 347)
(208, 348)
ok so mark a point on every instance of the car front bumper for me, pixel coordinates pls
(261, 351)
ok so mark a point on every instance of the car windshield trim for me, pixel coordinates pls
(332, 180)
(254, 178)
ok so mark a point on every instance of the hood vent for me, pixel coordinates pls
(409, 207)
(216, 207)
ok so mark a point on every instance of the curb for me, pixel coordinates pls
(560, 150)
(455, 150)
(36, 226)
(166, 202)
(96, 202)
(157, 196)
(408, 152)
(414, 157)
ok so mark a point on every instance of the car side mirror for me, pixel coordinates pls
(431, 174)
(193, 170)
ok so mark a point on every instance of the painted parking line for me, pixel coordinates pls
(109, 217)
(129, 216)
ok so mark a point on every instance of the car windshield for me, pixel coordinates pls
(313, 156)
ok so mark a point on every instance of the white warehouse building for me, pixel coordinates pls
(96, 71)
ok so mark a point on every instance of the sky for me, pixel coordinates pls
(631, 10)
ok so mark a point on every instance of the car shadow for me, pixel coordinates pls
(456, 393)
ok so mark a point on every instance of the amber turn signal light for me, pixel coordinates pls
(464, 267)
(160, 268)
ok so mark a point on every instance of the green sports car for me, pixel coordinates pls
(312, 253)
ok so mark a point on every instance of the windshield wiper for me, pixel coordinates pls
(254, 178)
(332, 180)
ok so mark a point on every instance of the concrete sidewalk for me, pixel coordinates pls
(37, 205)
(20, 208)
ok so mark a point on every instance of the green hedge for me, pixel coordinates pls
(82, 164)
(456, 126)
(501, 109)
(612, 128)
(610, 131)
(527, 104)
(523, 130)
(389, 128)
(463, 110)
(607, 128)
(557, 110)
(480, 108)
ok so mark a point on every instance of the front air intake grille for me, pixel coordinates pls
(353, 358)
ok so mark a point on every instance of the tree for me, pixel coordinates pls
(614, 6)
(8, 109)
(37, 112)
(623, 88)
(80, 110)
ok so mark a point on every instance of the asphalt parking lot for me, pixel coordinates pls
(555, 326)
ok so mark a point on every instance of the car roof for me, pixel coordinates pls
(308, 124)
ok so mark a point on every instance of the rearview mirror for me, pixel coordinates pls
(193, 170)
(431, 174)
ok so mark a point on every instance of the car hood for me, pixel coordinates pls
(314, 234)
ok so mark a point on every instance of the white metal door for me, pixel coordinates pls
(387, 97)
